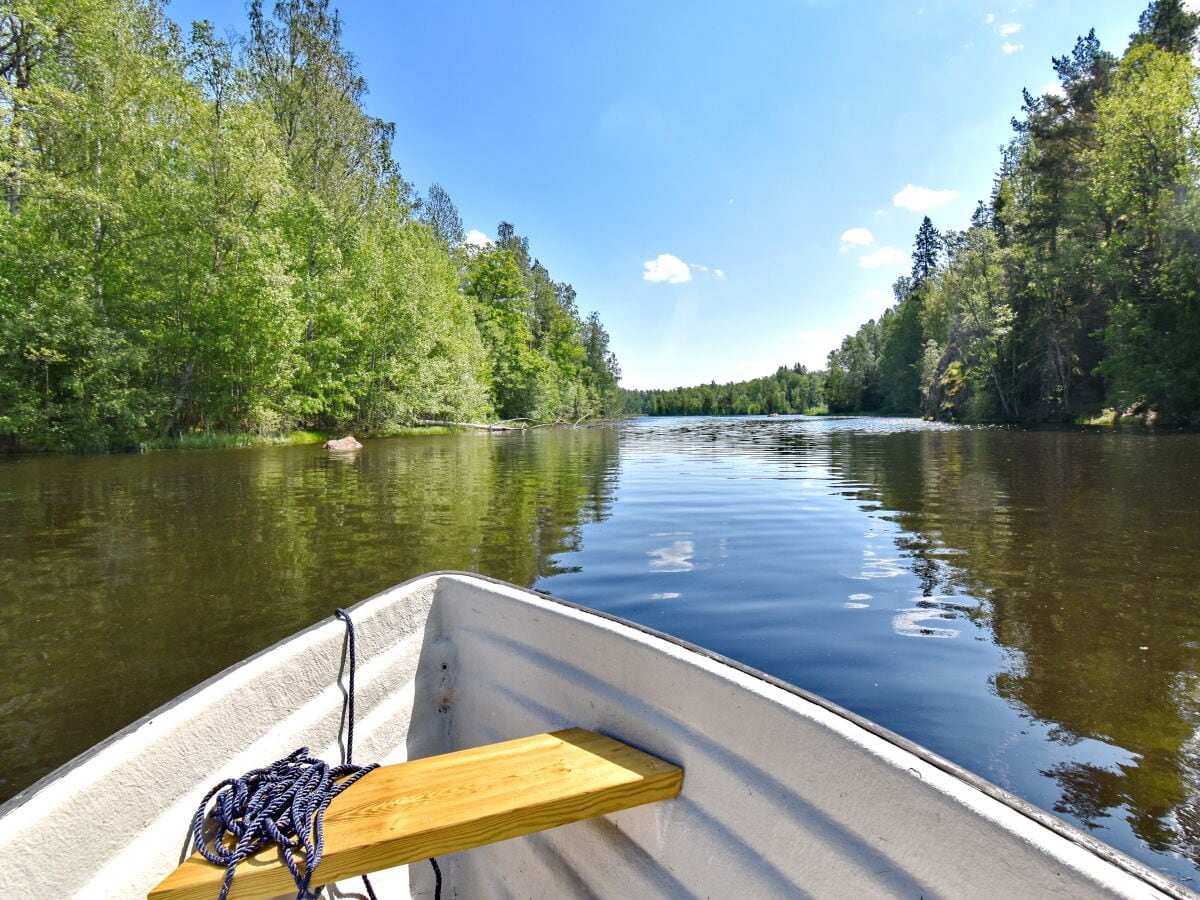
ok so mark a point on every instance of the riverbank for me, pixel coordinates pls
(220, 440)
(215, 440)
(1139, 415)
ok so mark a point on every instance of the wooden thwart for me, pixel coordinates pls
(430, 807)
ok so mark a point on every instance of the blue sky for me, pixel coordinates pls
(733, 187)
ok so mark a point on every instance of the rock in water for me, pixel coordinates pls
(346, 443)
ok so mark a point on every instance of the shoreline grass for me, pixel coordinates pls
(1104, 417)
(222, 440)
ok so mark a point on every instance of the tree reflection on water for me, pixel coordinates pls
(1081, 548)
(130, 579)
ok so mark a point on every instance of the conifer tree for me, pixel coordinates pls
(927, 249)
(439, 213)
(1168, 26)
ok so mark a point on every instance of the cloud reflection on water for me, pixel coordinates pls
(674, 558)
(908, 622)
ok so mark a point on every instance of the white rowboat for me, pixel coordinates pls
(784, 794)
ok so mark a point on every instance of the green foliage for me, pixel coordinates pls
(852, 380)
(927, 250)
(495, 280)
(901, 347)
(439, 213)
(1167, 25)
(1079, 286)
(547, 364)
(789, 391)
(198, 237)
(1146, 175)
(969, 321)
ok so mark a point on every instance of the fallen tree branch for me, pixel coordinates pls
(480, 425)
(502, 425)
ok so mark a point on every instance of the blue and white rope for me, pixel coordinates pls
(281, 804)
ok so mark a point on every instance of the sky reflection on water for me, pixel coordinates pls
(982, 591)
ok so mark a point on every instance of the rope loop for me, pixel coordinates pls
(283, 804)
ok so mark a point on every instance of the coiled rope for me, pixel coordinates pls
(283, 803)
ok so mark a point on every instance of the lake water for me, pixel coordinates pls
(1024, 603)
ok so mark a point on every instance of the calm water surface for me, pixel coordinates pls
(1024, 603)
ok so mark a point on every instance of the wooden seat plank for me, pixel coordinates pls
(430, 807)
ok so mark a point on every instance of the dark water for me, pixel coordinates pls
(1024, 603)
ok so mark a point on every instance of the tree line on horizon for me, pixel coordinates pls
(790, 390)
(209, 235)
(1077, 286)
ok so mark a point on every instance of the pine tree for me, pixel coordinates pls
(439, 213)
(1168, 26)
(927, 250)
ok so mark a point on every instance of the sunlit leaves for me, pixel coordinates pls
(1080, 286)
(205, 234)
(1146, 176)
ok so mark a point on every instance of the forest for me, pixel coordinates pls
(789, 390)
(208, 235)
(1076, 287)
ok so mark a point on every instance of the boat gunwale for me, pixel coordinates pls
(1060, 827)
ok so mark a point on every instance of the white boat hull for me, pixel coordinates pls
(784, 795)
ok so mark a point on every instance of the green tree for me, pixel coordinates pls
(601, 369)
(196, 239)
(852, 382)
(1047, 217)
(421, 355)
(1167, 25)
(1078, 285)
(968, 362)
(901, 345)
(88, 100)
(927, 250)
(341, 171)
(1145, 174)
(494, 279)
(439, 213)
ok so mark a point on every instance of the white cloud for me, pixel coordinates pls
(477, 239)
(673, 270)
(989, 18)
(1054, 89)
(884, 256)
(856, 237)
(668, 268)
(1010, 48)
(919, 199)
(1009, 28)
